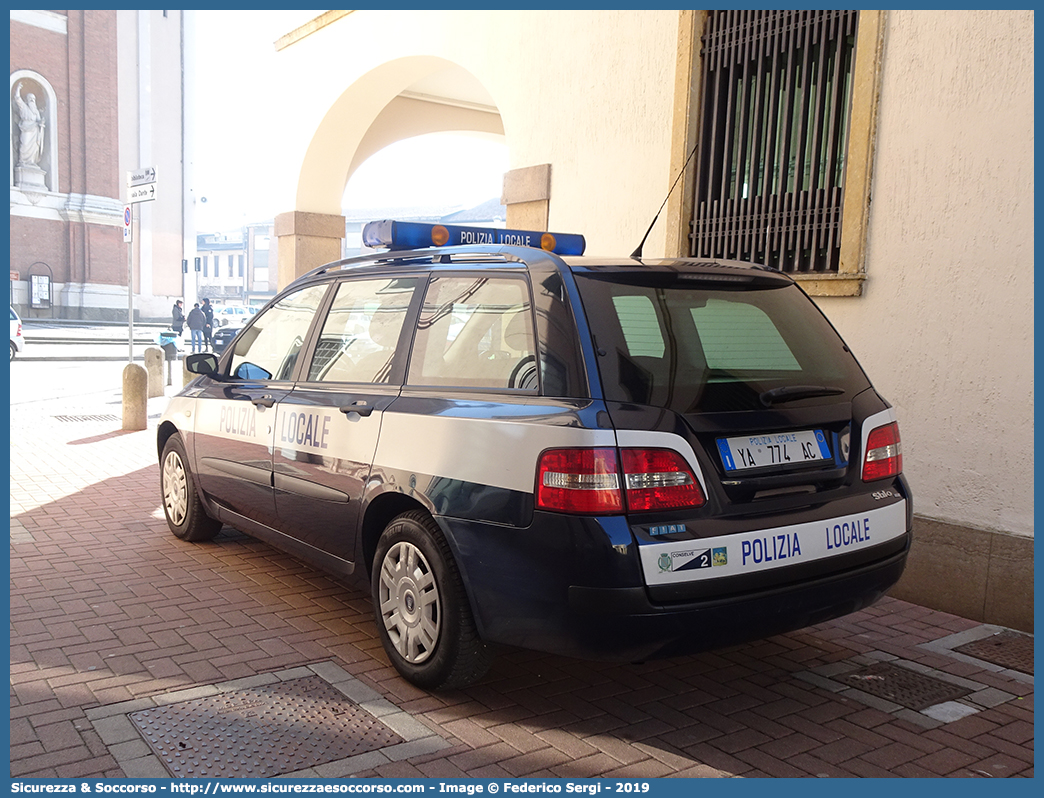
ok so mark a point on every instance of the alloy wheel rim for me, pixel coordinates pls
(409, 602)
(175, 489)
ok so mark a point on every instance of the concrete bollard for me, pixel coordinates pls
(154, 367)
(135, 397)
(186, 375)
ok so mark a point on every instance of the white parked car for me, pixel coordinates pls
(236, 315)
(17, 341)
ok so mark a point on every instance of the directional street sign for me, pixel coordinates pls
(142, 176)
(142, 193)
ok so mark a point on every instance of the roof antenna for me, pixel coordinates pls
(637, 254)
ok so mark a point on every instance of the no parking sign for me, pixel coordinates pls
(126, 224)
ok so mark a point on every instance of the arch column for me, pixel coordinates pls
(305, 241)
(527, 195)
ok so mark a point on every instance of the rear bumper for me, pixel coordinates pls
(574, 586)
(622, 623)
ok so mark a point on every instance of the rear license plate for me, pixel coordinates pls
(774, 449)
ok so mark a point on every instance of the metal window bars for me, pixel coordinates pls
(774, 129)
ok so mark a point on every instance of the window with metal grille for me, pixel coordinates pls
(770, 175)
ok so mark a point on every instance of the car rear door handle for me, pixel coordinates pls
(263, 401)
(360, 407)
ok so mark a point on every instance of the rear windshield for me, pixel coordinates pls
(695, 347)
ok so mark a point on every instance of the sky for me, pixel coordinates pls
(234, 55)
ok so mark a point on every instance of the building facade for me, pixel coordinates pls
(883, 158)
(232, 267)
(94, 95)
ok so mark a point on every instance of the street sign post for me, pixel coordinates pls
(127, 227)
(141, 187)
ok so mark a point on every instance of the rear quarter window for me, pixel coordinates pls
(475, 332)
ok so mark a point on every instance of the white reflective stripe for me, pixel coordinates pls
(644, 439)
(236, 419)
(764, 549)
(502, 452)
(180, 413)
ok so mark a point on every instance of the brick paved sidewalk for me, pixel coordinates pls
(111, 615)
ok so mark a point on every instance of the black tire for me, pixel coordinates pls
(421, 609)
(14, 350)
(181, 505)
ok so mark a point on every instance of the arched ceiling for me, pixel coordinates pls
(397, 100)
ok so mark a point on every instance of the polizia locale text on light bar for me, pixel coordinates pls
(395, 235)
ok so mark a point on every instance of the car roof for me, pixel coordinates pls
(710, 268)
(433, 247)
(520, 258)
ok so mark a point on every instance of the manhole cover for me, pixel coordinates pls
(908, 688)
(1007, 649)
(261, 732)
(97, 417)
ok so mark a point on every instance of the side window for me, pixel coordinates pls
(358, 339)
(475, 332)
(737, 337)
(268, 350)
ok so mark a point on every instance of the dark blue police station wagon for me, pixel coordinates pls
(510, 444)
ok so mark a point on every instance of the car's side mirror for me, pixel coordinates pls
(205, 363)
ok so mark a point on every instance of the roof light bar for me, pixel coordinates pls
(418, 235)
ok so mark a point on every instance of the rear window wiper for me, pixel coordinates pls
(790, 393)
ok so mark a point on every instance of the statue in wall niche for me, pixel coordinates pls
(31, 128)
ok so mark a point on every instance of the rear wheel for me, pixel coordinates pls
(181, 505)
(422, 611)
(14, 350)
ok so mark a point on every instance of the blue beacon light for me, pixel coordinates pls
(419, 235)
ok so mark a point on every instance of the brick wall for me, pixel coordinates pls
(34, 240)
(82, 69)
(100, 137)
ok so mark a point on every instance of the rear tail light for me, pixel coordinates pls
(884, 453)
(658, 479)
(588, 481)
(579, 481)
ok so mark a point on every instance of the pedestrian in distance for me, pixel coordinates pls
(196, 321)
(178, 315)
(208, 328)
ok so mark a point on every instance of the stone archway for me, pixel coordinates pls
(397, 100)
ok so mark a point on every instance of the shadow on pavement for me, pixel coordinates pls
(107, 606)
